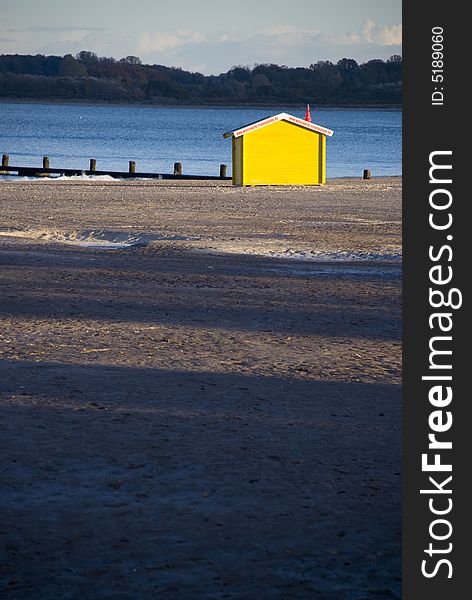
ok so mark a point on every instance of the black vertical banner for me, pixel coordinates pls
(437, 443)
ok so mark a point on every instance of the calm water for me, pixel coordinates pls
(157, 137)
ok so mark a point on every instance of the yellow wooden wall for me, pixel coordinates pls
(279, 154)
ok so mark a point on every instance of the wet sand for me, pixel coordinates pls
(209, 409)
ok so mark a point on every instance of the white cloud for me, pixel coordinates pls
(381, 34)
(102, 43)
(288, 45)
(161, 41)
(233, 36)
(75, 35)
(217, 52)
(369, 33)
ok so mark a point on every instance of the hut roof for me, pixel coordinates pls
(280, 117)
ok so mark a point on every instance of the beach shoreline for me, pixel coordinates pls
(347, 219)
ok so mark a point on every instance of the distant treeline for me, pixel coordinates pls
(88, 77)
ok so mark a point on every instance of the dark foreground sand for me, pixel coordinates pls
(200, 416)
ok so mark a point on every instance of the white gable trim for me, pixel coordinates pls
(280, 117)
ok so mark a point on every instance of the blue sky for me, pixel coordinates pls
(209, 36)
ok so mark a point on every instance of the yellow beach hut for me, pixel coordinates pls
(279, 150)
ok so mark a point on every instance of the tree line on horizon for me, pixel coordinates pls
(88, 77)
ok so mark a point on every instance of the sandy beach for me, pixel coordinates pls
(200, 390)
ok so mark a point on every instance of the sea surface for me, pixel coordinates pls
(156, 137)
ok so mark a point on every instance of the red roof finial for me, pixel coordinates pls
(307, 114)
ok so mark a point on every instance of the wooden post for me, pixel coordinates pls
(223, 170)
(5, 160)
(177, 168)
(45, 162)
(132, 166)
(93, 164)
(367, 174)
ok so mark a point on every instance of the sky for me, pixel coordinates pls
(208, 36)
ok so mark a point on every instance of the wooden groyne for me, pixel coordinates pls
(45, 170)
